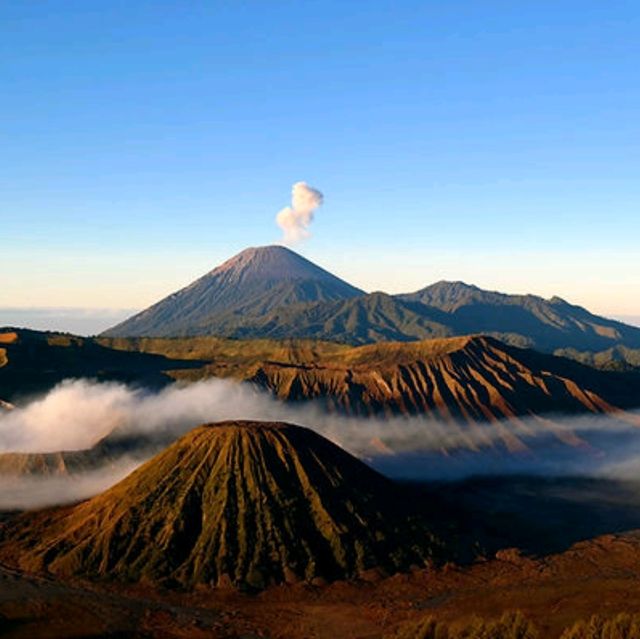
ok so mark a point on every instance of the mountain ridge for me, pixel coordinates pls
(272, 292)
(463, 381)
(549, 324)
(478, 392)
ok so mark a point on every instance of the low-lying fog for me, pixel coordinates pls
(78, 413)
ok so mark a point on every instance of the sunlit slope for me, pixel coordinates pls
(473, 378)
(44, 464)
(470, 378)
(243, 503)
(107, 452)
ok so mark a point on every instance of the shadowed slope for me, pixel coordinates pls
(522, 319)
(35, 361)
(237, 502)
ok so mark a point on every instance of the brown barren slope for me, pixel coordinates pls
(240, 503)
(473, 378)
(60, 463)
(21, 464)
(598, 576)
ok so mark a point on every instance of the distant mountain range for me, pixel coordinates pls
(272, 292)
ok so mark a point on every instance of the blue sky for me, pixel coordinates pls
(494, 142)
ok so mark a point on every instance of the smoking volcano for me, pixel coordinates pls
(251, 284)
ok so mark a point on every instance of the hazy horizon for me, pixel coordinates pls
(92, 321)
(79, 321)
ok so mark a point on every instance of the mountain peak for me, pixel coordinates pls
(272, 262)
(452, 285)
(242, 503)
(256, 281)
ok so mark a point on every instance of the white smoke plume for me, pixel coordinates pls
(295, 220)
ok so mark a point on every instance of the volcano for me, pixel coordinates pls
(272, 292)
(234, 503)
(251, 284)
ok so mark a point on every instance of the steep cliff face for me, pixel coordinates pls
(240, 503)
(465, 378)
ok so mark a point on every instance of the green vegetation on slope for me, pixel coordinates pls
(546, 325)
(617, 358)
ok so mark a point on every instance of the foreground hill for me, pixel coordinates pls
(271, 292)
(551, 590)
(251, 284)
(242, 503)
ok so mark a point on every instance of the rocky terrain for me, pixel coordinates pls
(239, 504)
(467, 379)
